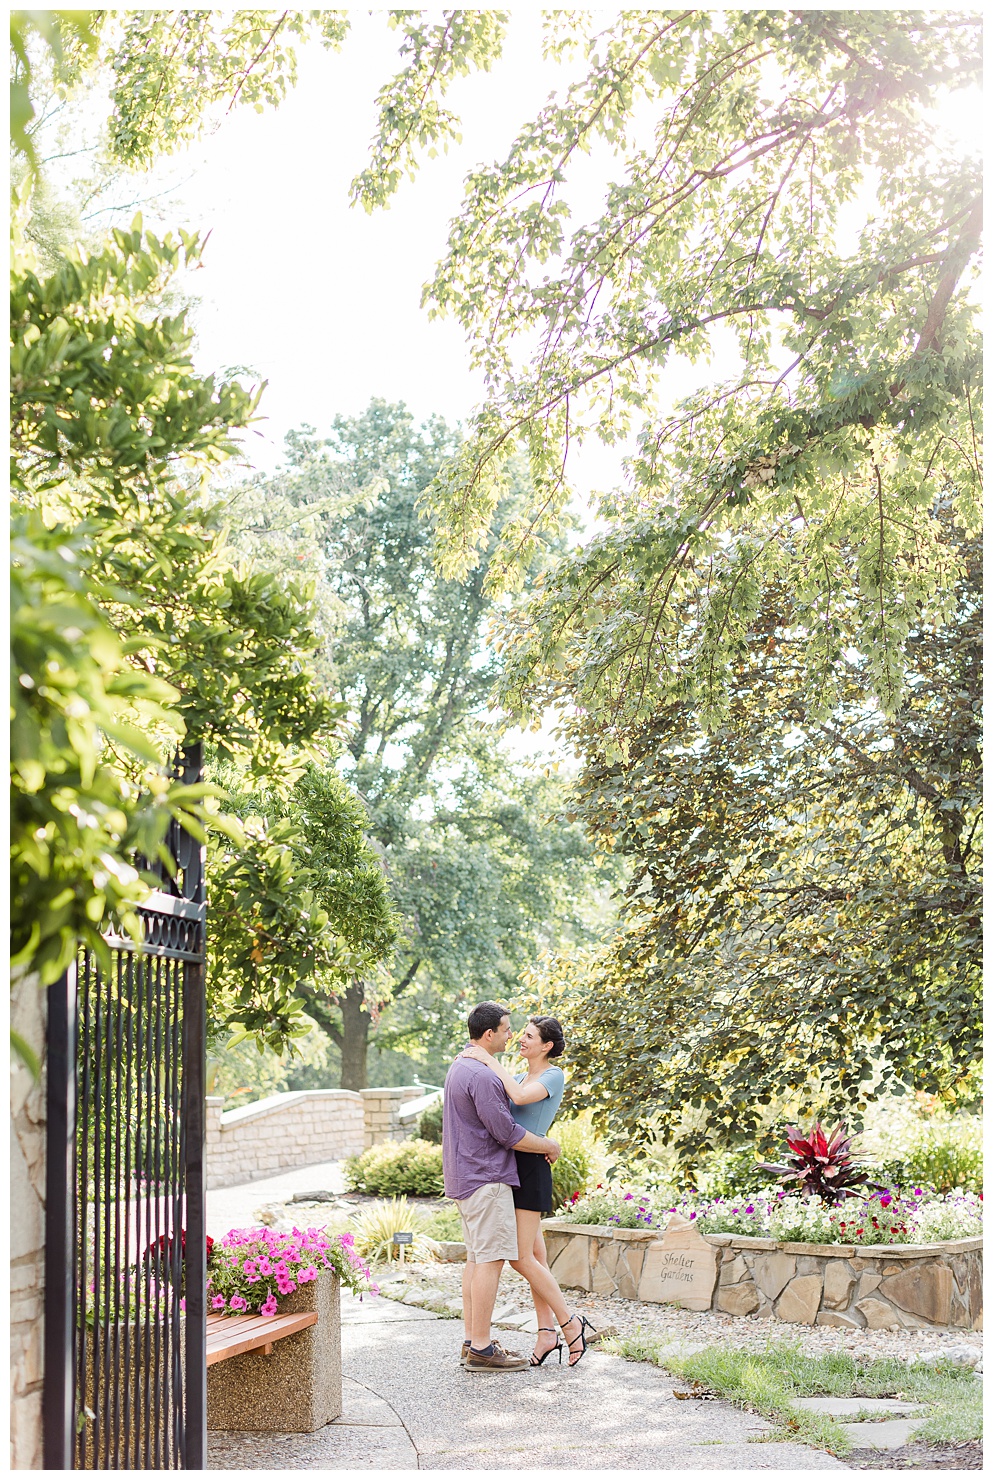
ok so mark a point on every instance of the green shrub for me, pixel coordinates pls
(445, 1224)
(397, 1167)
(429, 1125)
(581, 1162)
(947, 1158)
(726, 1173)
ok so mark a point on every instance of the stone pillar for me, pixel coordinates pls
(382, 1113)
(27, 1227)
(212, 1140)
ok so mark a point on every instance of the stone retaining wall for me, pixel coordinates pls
(300, 1128)
(911, 1286)
(27, 1228)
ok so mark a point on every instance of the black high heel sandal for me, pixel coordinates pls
(537, 1361)
(584, 1326)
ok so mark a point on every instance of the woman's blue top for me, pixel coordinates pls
(538, 1116)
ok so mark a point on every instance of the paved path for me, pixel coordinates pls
(408, 1405)
(233, 1207)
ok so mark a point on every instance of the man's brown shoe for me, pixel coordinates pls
(496, 1361)
(467, 1344)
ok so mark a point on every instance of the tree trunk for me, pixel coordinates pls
(355, 1038)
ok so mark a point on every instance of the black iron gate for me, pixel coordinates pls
(125, 1259)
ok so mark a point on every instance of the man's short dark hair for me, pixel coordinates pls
(484, 1018)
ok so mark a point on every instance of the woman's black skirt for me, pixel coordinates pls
(535, 1191)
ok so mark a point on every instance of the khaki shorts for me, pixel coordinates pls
(489, 1223)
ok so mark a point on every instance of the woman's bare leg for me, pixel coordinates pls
(544, 1312)
(549, 1305)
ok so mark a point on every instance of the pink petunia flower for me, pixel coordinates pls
(218, 1302)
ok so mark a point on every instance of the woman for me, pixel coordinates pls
(534, 1098)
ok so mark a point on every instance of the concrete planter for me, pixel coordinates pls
(911, 1286)
(297, 1388)
(122, 1429)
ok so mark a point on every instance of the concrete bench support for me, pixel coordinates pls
(297, 1387)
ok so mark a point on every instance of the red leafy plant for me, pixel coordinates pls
(822, 1163)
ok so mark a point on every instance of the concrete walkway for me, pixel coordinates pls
(408, 1405)
(234, 1207)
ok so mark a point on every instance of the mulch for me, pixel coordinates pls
(967, 1456)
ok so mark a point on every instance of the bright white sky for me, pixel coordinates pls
(319, 298)
(322, 300)
(316, 297)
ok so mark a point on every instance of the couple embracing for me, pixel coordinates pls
(498, 1170)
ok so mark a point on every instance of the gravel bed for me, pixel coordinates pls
(707, 1328)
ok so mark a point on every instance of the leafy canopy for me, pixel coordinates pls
(747, 144)
(481, 867)
(803, 922)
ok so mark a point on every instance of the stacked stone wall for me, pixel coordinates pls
(904, 1286)
(382, 1114)
(300, 1128)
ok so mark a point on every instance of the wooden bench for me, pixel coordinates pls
(229, 1336)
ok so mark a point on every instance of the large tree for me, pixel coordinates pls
(782, 197)
(803, 918)
(483, 868)
(773, 175)
(134, 628)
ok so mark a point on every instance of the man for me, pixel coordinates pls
(479, 1138)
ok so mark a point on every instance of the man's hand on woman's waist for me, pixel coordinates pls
(540, 1145)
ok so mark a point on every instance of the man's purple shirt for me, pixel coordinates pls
(478, 1131)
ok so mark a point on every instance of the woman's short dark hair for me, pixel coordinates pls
(551, 1032)
(485, 1018)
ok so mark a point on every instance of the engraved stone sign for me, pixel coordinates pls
(680, 1268)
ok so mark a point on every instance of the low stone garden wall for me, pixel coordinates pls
(301, 1128)
(911, 1286)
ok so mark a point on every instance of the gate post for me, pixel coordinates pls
(59, 1386)
(193, 856)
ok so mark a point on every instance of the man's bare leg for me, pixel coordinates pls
(467, 1274)
(485, 1280)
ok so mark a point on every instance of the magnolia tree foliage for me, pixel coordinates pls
(103, 402)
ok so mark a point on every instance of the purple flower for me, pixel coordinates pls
(629, 1197)
(750, 1208)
